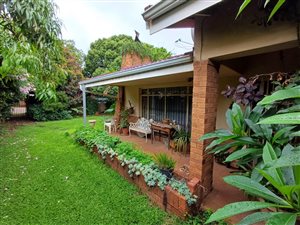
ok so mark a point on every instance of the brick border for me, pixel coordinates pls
(169, 200)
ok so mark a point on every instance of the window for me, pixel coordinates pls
(174, 103)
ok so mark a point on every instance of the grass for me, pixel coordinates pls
(46, 178)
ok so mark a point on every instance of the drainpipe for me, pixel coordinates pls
(83, 102)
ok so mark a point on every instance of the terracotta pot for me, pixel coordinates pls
(125, 131)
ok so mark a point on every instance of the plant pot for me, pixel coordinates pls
(125, 131)
(172, 144)
(167, 173)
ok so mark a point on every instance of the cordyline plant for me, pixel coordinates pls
(280, 170)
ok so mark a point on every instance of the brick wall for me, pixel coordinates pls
(128, 60)
(133, 59)
(169, 200)
(204, 113)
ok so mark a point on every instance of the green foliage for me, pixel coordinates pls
(286, 195)
(138, 163)
(164, 161)
(50, 109)
(40, 113)
(105, 55)
(95, 137)
(267, 2)
(181, 139)
(29, 43)
(280, 170)
(124, 118)
(202, 217)
(245, 140)
(130, 151)
(183, 189)
(91, 105)
(9, 95)
(292, 116)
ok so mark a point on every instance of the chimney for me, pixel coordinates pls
(133, 59)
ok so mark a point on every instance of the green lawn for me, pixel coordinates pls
(46, 178)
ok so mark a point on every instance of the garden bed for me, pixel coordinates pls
(174, 196)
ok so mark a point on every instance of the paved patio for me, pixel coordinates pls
(221, 194)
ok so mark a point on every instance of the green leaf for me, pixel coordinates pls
(292, 159)
(287, 118)
(237, 208)
(255, 175)
(266, 3)
(276, 8)
(269, 155)
(241, 153)
(281, 133)
(247, 140)
(225, 147)
(220, 141)
(257, 217)
(254, 127)
(242, 7)
(295, 134)
(254, 188)
(228, 117)
(217, 133)
(295, 108)
(256, 113)
(281, 94)
(283, 219)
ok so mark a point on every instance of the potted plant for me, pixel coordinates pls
(181, 141)
(124, 122)
(165, 163)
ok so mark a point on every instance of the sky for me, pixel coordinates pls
(85, 21)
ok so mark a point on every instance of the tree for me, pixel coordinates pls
(73, 62)
(105, 54)
(29, 43)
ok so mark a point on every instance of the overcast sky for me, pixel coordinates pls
(85, 21)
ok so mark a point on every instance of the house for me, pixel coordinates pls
(187, 87)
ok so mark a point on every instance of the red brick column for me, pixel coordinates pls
(204, 113)
(119, 103)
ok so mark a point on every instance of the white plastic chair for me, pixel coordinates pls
(110, 125)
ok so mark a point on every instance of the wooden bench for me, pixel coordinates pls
(141, 126)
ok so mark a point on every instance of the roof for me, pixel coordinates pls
(166, 63)
(172, 13)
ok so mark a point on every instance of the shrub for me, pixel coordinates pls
(91, 105)
(164, 161)
(132, 152)
(39, 113)
(9, 95)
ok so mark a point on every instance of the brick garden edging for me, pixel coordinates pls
(169, 200)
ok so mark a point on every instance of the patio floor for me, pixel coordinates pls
(221, 194)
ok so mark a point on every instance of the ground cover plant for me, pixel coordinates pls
(138, 163)
(46, 178)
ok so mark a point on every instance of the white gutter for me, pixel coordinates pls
(161, 8)
(167, 13)
(141, 69)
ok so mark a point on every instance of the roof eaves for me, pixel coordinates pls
(161, 8)
(141, 69)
